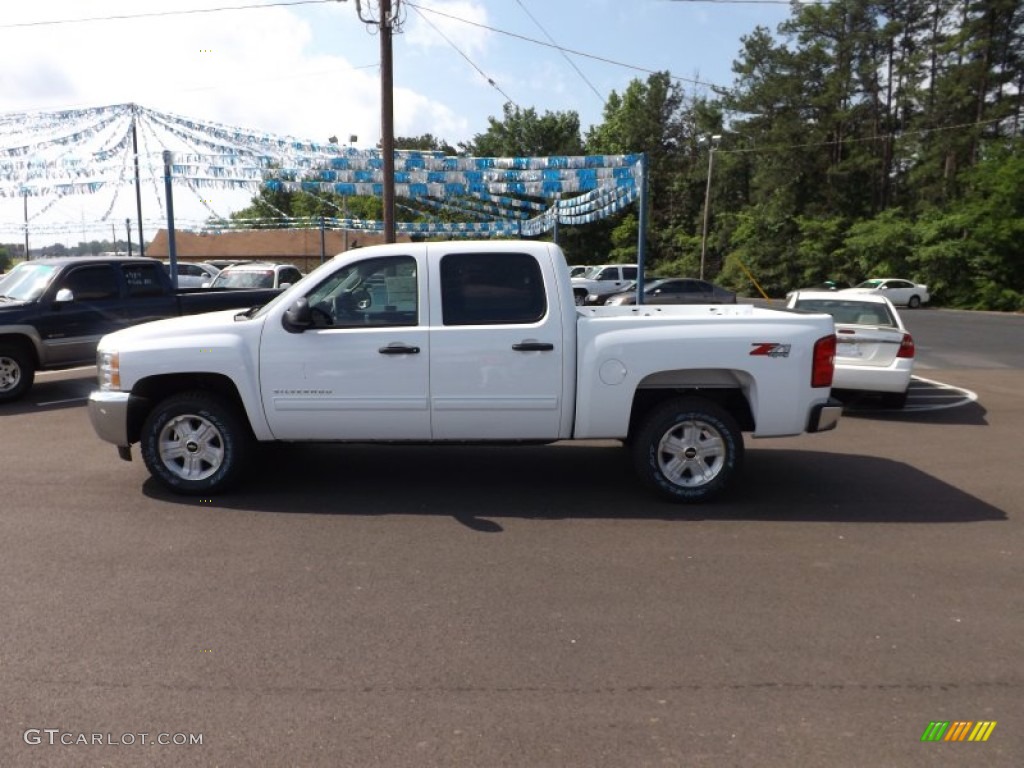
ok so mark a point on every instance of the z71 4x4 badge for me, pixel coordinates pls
(770, 349)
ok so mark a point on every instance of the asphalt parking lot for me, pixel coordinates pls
(399, 606)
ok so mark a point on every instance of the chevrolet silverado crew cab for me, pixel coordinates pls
(54, 311)
(463, 342)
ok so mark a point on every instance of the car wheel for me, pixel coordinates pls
(195, 443)
(17, 372)
(914, 302)
(894, 400)
(688, 449)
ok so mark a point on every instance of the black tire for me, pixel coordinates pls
(895, 400)
(17, 372)
(688, 449)
(196, 443)
(914, 302)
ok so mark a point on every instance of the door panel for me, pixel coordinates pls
(496, 349)
(70, 330)
(362, 374)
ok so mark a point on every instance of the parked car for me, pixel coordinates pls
(676, 290)
(193, 275)
(902, 293)
(601, 281)
(824, 285)
(257, 275)
(53, 311)
(874, 351)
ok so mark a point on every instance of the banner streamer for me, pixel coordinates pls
(59, 154)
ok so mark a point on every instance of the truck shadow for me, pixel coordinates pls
(478, 485)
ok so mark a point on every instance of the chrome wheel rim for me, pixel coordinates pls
(10, 374)
(691, 454)
(191, 447)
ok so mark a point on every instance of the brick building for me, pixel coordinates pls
(301, 247)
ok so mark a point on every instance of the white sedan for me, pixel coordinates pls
(902, 293)
(874, 352)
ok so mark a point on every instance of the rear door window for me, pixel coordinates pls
(491, 289)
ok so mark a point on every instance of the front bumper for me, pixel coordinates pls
(825, 416)
(108, 412)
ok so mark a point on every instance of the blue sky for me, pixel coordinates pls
(311, 70)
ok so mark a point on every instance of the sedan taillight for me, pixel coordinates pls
(906, 346)
(824, 363)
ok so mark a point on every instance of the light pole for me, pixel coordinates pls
(712, 142)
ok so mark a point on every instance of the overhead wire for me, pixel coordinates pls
(561, 51)
(473, 64)
(158, 14)
(544, 44)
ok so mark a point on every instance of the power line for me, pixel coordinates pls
(860, 140)
(559, 47)
(157, 14)
(560, 50)
(463, 55)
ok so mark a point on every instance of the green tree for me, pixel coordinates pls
(522, 133)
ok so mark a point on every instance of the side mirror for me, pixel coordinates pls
(285, 286)
(298, 317)
(64, 296)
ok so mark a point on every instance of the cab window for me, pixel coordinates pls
(491, 289)
(92, 283)
(374, 292)
(143, 279)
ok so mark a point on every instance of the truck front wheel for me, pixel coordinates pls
(195, 443)
(16, 372)
(687, 449)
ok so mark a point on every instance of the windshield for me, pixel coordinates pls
(247, 278)
(870, 284)
(26, 282)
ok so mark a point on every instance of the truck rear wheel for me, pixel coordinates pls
(688, 449)
(17, 372)
(195, 443)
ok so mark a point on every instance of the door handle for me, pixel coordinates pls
(399, 349)
(533, 346)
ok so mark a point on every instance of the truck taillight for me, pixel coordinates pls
(824, 363)
(906, 346)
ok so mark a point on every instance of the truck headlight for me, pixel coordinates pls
(108, 367)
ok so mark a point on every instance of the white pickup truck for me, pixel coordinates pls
(600, 282)
(463, 342)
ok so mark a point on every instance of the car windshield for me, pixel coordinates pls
(851, 312)
(592, 273)
(244, 278)
(26, 282)
(870, 284)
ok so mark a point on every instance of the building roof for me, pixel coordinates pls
(263, 244)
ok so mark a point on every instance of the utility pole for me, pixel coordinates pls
(26, 223)
(138, 186)
(386, 22)
(172, 251)
(712, 145)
